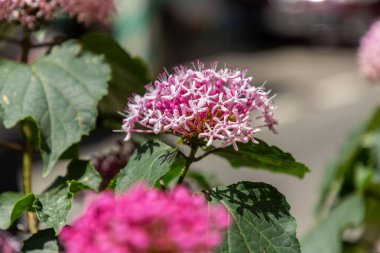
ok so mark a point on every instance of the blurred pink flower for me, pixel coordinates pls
(8, 244)
(33, 14)
(110, 163)
(147, 220)
(89, 11)
(201, 103)
(369, 53)
(27, 13)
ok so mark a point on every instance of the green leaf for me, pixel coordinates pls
(325, 237)
(44, 241)
(263, 156)
(352, 153)
(174, 173)
(148, 163)
(12, 205)
(54, 205)
(261, 219)
(129, 74)
(200, 178)
(59, 91)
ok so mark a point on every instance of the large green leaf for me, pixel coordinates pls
(325, 237)
(42, 242)
(53, 206)
(12, 205)
(263, 156)
(354, 152)
(59, 91)
(148, 163)
(261, 219)
(129, 74)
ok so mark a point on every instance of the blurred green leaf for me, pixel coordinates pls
(200, 178)
(339, 178)
(129, 75)
(12, 205)
(53, 205)
(60, 92)
(261, 219)
(326, 235)
(148, 163)
(263, 156)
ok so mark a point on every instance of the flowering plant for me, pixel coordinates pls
(144, 196)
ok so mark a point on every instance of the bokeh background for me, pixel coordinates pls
(306, 51)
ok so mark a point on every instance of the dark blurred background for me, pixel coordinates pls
(181, 30)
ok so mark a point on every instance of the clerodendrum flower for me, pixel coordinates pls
(147, 220)
(34, 13)
(369, 53)
(201, 103)
(8, 244)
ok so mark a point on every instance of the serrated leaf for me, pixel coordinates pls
(44, 241)
(54, 205)
(12, 205)
(59, 91)
(129, 75)
(325, 237)
(263, 156)
(261, 219)
(148, 163)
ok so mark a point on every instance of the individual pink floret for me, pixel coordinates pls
(147, 220)
(201, 103)
(369, 53)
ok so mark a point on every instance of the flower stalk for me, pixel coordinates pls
(189, 160)
(28, 147)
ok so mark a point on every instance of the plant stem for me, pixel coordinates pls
(196, 159)
(10, 40)
(11, 146)
(189, 161)
(25, 46)
(28, 148)
(26, 172)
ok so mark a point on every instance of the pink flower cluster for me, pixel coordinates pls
(89, 11)
(34, 13)
(28, 13)
(8, 244)
(203, 103)
(147, 220)
(369, 53)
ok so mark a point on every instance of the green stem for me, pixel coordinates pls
(28, 148)
(26, 172)
(189, 161)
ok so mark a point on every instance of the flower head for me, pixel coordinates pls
(8, 244)
(28, 13)
(89, 11)
(369, 53)
(147, 220)
(33, 14)
(201, 103)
